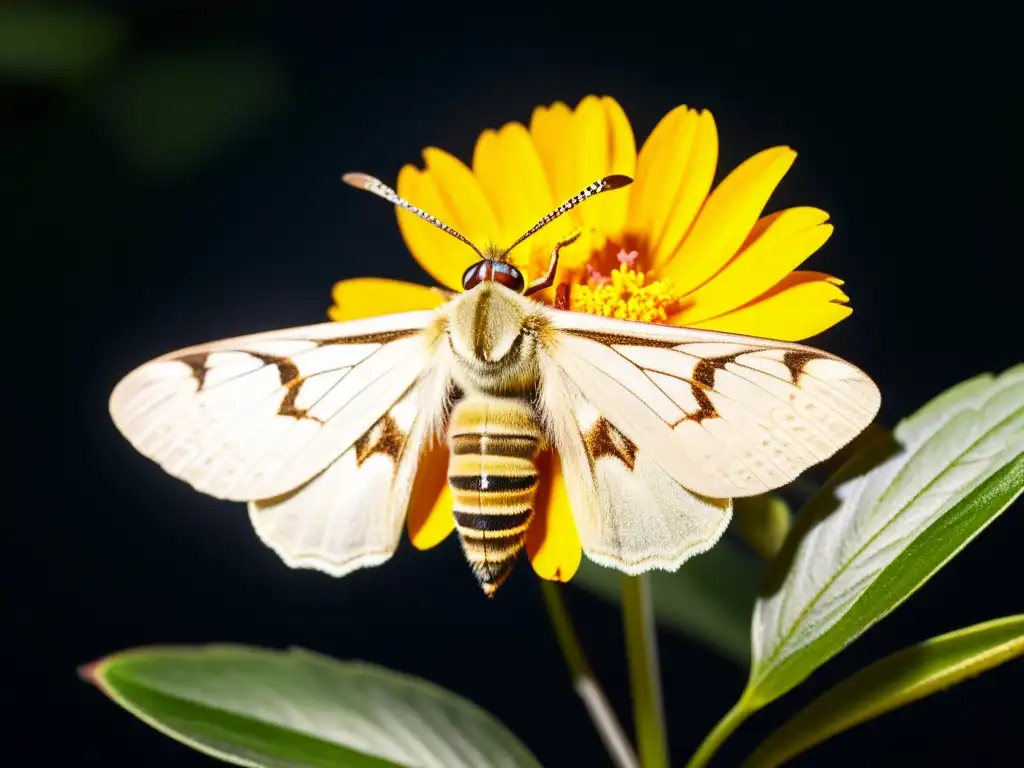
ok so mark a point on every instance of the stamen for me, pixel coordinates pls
(628, 259)
(593, 277)
(626, 294)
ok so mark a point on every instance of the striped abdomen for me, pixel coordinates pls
(494, 443)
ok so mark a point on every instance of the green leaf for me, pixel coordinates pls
(40, 43)
(862, 547)
(294, 708)
(893, 682)
(710, 598)
(763, 522)
(171, 110)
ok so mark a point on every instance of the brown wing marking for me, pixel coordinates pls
(288, 372)
(603, 439)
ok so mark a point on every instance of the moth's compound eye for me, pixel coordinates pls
(475, 275)
(495, 271)
(508, 276)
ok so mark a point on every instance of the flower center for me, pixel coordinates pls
(626, 293)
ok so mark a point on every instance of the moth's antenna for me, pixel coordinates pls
(615, 181)
(379, 188)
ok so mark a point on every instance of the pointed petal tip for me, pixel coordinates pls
(434, 152)
(782, 154)
(556, 104)
(512, 126)
(90, 672)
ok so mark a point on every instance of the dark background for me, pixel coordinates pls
(172, 177)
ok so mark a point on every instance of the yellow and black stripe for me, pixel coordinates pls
(494, 443)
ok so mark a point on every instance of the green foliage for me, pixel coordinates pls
(763, 522)
(893, 682)
(865, 546)
(52, 44)
(167, 111)
(295, 708)
(172, 110)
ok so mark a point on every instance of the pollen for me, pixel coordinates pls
(626, 294)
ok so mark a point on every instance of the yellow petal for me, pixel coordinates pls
(471, 212)
(622, 143)
(675, 171)
(441, 255)
(584, 129)
(779, 243)
(372, 296)
(653, 186)
(802, 305)
(727, 218)
(430, 518)
(601, 142)
(694, 183)
(551, 540)
(511, 173)
(549, 127)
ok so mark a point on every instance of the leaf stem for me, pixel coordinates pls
(584, 682)
(729, 723)
(644, 671)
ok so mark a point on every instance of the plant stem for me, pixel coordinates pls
(584, 682)
(644, 671)
(729, 723)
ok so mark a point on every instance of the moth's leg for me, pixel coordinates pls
(562, 296)
(549, 278)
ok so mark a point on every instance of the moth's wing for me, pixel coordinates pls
(256, 417)
(630, 513)
(722, 415)
(351, 515)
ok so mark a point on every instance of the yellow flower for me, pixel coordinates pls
(667, 250)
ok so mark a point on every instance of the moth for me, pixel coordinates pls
(321, 429)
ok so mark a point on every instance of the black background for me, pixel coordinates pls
(249, 234)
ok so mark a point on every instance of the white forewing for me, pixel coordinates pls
(722, 415)
(257, 416)
(351, 515)
(630, 514)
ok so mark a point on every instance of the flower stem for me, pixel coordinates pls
(583, 680)
(644, 671)
(729, 723)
